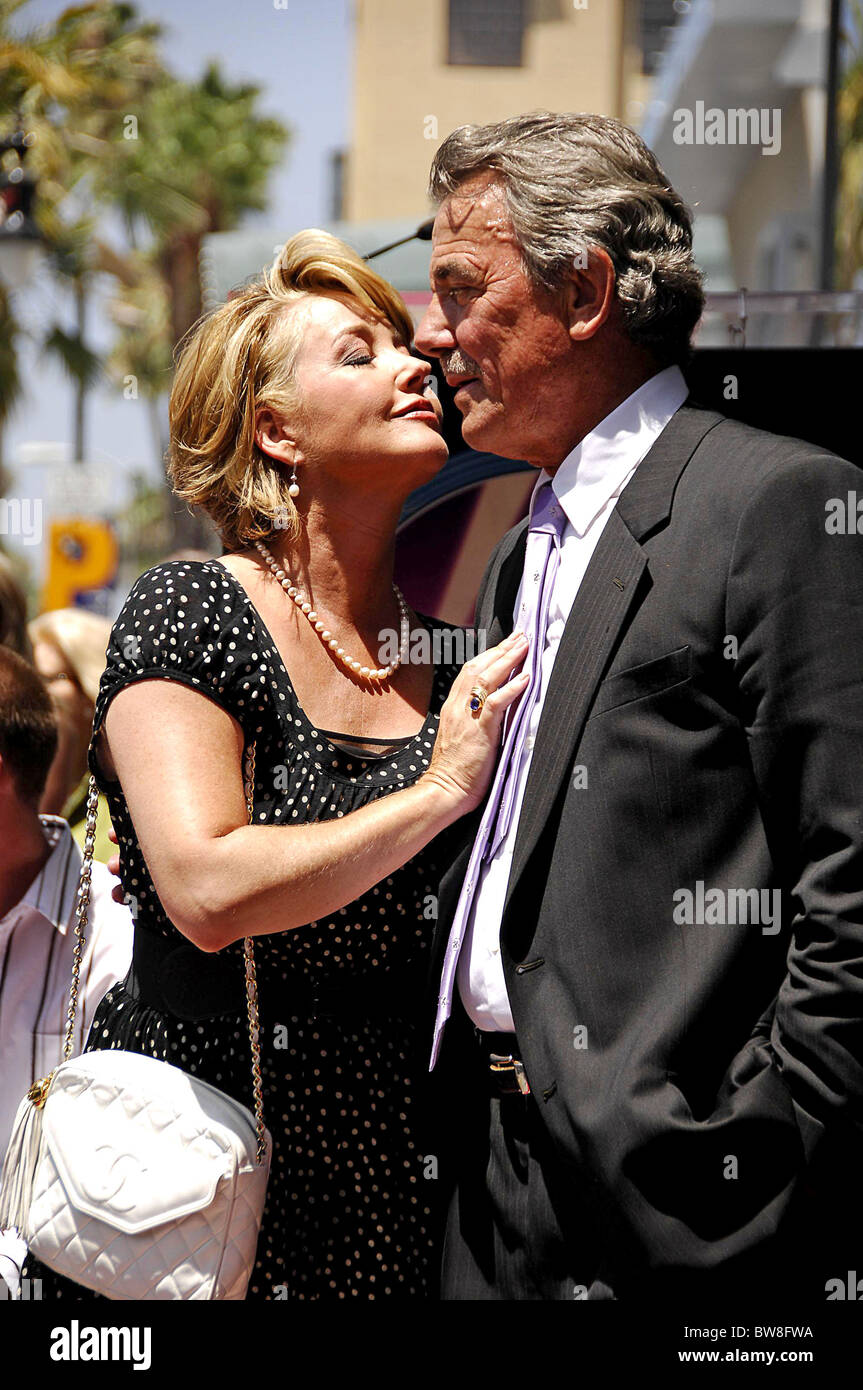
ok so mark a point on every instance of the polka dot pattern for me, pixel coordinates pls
(348, 1215)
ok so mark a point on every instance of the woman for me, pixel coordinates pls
(13, 611)
(69, 652)
(300, 421)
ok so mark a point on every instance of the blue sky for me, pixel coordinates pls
(300, 57)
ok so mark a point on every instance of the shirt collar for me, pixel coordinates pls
(54, 890)
(599, 466)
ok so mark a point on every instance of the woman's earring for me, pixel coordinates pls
(294, 489)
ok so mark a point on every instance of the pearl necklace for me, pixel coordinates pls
(370, 673)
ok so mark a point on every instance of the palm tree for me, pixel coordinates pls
(26, 68)
(10, 378)
(193, 159)
(140, 360)
(201, 160)
(69, 85)
(30, 69)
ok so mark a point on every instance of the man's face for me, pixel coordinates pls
(502, 342)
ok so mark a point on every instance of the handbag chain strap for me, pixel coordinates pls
(82, 908)
(252, 984)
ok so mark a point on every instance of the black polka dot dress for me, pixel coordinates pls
(353, 1201)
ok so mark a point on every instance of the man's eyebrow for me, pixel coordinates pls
(456, 270)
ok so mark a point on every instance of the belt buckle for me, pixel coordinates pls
(509, 1066)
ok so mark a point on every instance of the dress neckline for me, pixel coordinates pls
(304, 719)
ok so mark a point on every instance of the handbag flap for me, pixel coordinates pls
(137, 1143)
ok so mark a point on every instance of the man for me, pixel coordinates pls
(651, 952)
(39, 870)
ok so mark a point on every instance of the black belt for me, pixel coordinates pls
(191, 984)
(502, 1063)
(179, 979)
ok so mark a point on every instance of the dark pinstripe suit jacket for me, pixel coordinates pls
(705, 1077)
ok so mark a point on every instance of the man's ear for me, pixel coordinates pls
(273, 437)
(589, 293)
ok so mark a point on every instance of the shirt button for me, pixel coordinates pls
(530, 740)
(456, 943)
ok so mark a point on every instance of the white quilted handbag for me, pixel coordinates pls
(130, 1177)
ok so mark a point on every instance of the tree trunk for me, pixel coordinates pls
(5, 480)
(80, 292)
(180, 266)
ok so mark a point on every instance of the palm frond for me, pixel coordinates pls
(81, 363)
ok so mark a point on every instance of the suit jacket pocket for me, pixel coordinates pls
(686, 1165)
(650, 678)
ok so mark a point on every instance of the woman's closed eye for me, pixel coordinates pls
(358, 361)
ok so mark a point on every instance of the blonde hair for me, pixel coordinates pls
(81, 638)
(239, 360)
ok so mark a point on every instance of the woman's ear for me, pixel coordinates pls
(274, 439)
(589, 293)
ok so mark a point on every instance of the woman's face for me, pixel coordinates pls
(367, 417)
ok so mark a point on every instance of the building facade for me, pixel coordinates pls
(421, 72)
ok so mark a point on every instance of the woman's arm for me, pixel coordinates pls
(178, 757)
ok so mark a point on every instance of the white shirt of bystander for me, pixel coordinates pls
(37, 939)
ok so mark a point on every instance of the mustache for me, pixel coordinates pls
(457, 363)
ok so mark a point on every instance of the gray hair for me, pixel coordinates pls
(572, 181)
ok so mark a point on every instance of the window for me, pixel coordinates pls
(487, 33)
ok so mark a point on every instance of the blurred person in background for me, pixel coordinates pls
(39, 868)
(300, 423)
(69, 653)
(13, 611)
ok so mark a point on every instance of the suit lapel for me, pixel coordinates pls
(601, 606)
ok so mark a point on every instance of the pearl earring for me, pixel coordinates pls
(294, 489)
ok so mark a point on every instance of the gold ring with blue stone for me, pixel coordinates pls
(478, 697)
